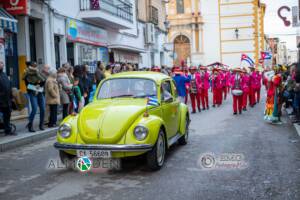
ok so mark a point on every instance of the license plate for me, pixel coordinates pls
(94, 153)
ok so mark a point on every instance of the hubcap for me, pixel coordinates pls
(160, 150)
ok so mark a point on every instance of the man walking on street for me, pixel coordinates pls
(5, 99)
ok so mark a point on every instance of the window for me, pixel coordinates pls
(180, 6)
(166, 91)
(154, 15)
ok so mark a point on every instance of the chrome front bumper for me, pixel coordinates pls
(108, 147)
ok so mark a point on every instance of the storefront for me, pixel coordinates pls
(125, 54)
(8, 46)
(86, 44)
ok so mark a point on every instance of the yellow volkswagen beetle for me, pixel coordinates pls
(132, 113)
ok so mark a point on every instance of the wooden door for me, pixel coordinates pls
(182, 49)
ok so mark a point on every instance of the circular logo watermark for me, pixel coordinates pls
(84, 164)
(208, 161)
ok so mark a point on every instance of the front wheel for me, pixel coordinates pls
(156, 157)
(184, 139)
(68, 160)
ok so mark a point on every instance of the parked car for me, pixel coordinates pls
(132, 113)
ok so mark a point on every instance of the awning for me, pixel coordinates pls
(7, 21)
(126, 48)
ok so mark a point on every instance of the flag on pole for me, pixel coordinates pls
(266, 55)
(247, 59)
(151, 101)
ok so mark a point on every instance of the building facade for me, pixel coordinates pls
(152, 17)
(220, 30)
(53, 32)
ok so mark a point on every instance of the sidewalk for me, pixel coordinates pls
(296, 125)
(24, 137)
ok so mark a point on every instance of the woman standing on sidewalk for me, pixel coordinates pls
(65, 90)
(52, 97)
(35, 82)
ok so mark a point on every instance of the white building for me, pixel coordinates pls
(292, 56)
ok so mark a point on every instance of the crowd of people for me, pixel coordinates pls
(73, 87)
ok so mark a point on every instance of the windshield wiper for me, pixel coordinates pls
(123, 95)
(145, 95)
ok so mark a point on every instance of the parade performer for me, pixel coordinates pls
(272, 111)
(187, 85)
(257, 86)
(224, 83)
(194, 88)
(253, 79)
(204, 86)
(245, 88)
(237, 92)
(180, 81)
(228, 84)
(216, 87)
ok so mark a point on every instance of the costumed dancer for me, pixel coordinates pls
(273, 110)
(245, 88)
(204, 87)
(237, 92)
(194, 87)
(257, 86)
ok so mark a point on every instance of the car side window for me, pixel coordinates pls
(166, 91)
(174, 89)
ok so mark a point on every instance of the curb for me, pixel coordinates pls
(26, 138)
(296, 126)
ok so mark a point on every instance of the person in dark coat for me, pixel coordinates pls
(5, 99)
(86, 84)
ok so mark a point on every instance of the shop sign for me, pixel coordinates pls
(78, 31)
(126, 57)
(17, 7)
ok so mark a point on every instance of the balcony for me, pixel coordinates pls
(116, 14)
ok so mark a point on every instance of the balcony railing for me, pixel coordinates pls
(117, 8)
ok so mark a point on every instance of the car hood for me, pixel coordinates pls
(106, 122)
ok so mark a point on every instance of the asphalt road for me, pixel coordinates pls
(269, 156)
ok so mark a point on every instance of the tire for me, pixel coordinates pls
(184, 139)
(156, 157)
(68, 160)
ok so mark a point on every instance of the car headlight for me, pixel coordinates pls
(65, 130)
(140, 132)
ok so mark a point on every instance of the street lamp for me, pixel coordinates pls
(236, 33)
(167, 24)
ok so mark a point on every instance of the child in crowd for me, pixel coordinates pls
(78, 98)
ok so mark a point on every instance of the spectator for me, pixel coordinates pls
(108, 71)
(52, 97)
(86, 83)
(65, 90)
(34, 82)
(5, 99)
(99, 73)
(45, 71)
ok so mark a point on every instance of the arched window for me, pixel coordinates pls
(180, 6)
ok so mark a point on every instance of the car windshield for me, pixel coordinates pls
(125, 87)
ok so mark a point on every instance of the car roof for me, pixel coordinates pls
(156, 76)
